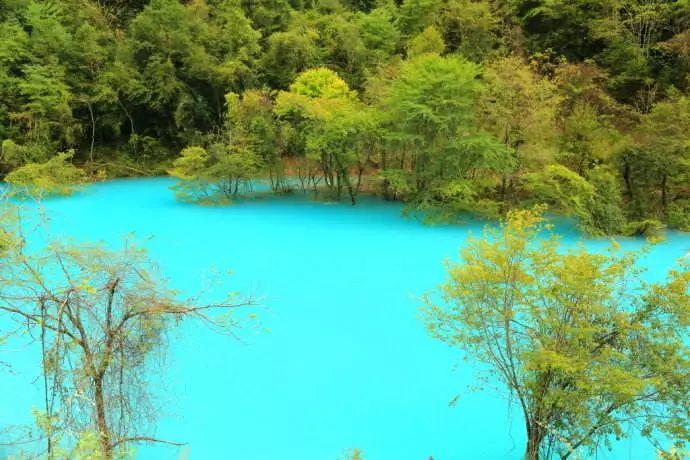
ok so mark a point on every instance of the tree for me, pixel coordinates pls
(416, 15)
(251, 122)
(343, 47)
(337, 128)
(56, 176)
(46, 113)
(469, 27)
(343, 142)
(586, 140)
(581, 342)
(380, 33)
(102, 317)
(218, 174)
(439, 157)
(289, 53)
(91, 53)
(596, 204)
(654, 167)
(427, 41)
(519, 108)
(14, 155)
(185, 60)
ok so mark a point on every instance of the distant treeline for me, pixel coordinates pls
(450, 105)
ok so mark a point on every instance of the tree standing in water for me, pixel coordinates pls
(101, 317)
(579, 340)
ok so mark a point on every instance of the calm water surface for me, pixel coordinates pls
(342, 360)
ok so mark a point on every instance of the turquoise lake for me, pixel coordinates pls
(342, 359)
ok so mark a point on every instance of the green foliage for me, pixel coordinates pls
(596, 204)
(504, 91)
(338, 131)
(217, 175)
(320, 83)
(86, 446)
(13, 155)
(606, 210)
(585, 141)
(679, 215)
(379, 32)
(57, 176)
(290, 53)
(432, 127)
(470, 28)
(577, 339)
(416, 15)
(649, 228)
(427, 41)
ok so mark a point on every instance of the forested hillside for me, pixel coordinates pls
(449, 105)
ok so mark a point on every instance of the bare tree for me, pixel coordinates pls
(101, 318)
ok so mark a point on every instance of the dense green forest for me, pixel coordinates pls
(502, 109)
(449, 105)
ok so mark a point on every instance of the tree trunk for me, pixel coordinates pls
(93, 132)
(132, 131)
(535, 436)
(101, 420)
(628, 181)
(48, 406)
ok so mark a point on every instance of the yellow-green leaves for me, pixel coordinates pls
(314, 94)
(57, 176)
(192, 163)
(427, 41)
(579, 339)
(321, 82)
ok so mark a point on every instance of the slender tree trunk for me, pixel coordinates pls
(129, 117)
(93, 131)
(628, 181)
(386, 184)
(358, 187)
(49, 412)
(535, 436)
(504, 193)
(350, 189)
(101, 420)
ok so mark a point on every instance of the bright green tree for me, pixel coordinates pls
(56, 176)
(578, 340)
(439, 155)
(338, 129)
(217, 174)
(251, 122)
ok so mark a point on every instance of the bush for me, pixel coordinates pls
(56, 176)
(679, 215)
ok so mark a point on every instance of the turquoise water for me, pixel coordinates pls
(342, 359)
